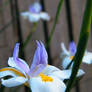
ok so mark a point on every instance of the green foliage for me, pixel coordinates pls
(55, 22)
(29, 36)
(84, 35)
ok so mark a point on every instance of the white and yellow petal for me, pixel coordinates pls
(12, 82)
(61, 74)
(53, 71)
(17, 78)
(12, 63)
(8, 71)
(37, 85)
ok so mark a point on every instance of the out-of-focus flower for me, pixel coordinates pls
(35, 13)
(67, 55)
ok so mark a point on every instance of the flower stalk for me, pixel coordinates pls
(84, 35)
(29, 36)
(55, 22)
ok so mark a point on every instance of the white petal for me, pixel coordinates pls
(16, 81)
(80, 73)
(87, 58)
(53, 71)
(65, 51)
(34, 17)
(49, 69)
(65, 74)
(12, 63)
(37, 85)
(65, 62)
(25, 14)
(44, 16)
(61, 74)
(6, 73)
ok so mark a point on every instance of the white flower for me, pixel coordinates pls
(40, 77)
(67, 55)
(35, 13)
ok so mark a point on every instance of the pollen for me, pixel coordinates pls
(71, 57)
(46, 78)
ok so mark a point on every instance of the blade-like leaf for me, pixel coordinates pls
(84, 35)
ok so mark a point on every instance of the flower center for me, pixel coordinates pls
(45, 78)
(71, 57)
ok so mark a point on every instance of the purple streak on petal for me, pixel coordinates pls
(35, 8)
(16, 50)
(43, 54)
(22, 65)
(18, 61)
(72, 48)
(40, 60)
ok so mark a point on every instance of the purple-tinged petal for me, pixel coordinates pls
(72, 48)
(12, 63)
(16, 50)
(36, 70)
(19, 62)
(43, 54)
(35, 8)
(40, 60)
(22, 64)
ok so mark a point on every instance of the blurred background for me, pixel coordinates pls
(13, 28)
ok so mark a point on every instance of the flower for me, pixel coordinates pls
(68, 55)
(35, 13)
(39, 77)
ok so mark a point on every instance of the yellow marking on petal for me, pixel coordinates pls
(46, 78)
(12, 70)
(71, 57)
(26, 84)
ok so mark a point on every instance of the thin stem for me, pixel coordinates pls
(29, 36)
(45, 28)
(84, 35)
(68, 66)
(55, 22)
(69, 20)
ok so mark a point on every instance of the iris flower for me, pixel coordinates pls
(68, 55)
(35, 13)
(40, 77)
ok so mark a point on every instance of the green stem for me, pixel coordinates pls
(68, 66)
(55, 22)
(29, 36)
(84, 35)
